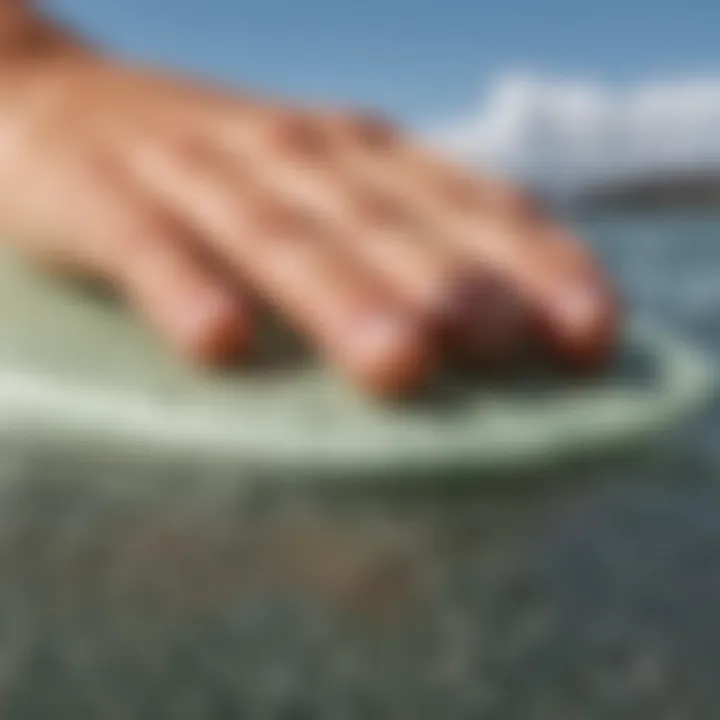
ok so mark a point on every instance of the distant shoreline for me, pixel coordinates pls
(680, 191)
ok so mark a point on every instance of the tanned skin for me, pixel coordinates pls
(196, 203)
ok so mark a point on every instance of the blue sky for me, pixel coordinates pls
(418, 60)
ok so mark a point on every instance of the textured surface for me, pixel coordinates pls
(77, 373)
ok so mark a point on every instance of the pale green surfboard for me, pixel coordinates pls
(79, 374)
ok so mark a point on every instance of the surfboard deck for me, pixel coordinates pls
(79, 374)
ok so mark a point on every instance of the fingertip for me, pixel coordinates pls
(584, 331)
(214, 328)
(389, 355)
(199, 314)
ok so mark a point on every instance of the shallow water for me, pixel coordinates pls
(595, 598)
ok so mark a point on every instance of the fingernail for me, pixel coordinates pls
(206, 308)
(379, 332)
(211, 325)
(390, 353)
(590, 325)
(582, 307)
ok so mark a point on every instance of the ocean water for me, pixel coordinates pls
(668, 269)
(667, 266)
(594, 599)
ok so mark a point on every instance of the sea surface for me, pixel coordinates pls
(668, 267)
(596, 599)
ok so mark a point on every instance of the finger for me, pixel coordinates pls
(577, 311)
(106, 227)
(198, 313)
(575, 314)
(470, 309)
(588, 315)
(286, 259)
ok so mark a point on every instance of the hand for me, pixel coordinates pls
(193, 202)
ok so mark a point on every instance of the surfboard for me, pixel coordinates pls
(79, 375)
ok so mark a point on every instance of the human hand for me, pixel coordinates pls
(194, 202)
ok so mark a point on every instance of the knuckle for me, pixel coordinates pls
(297, 134)
(281, 223)
(517, 204)
(372, 131)
(464, 192)
(380, 208)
